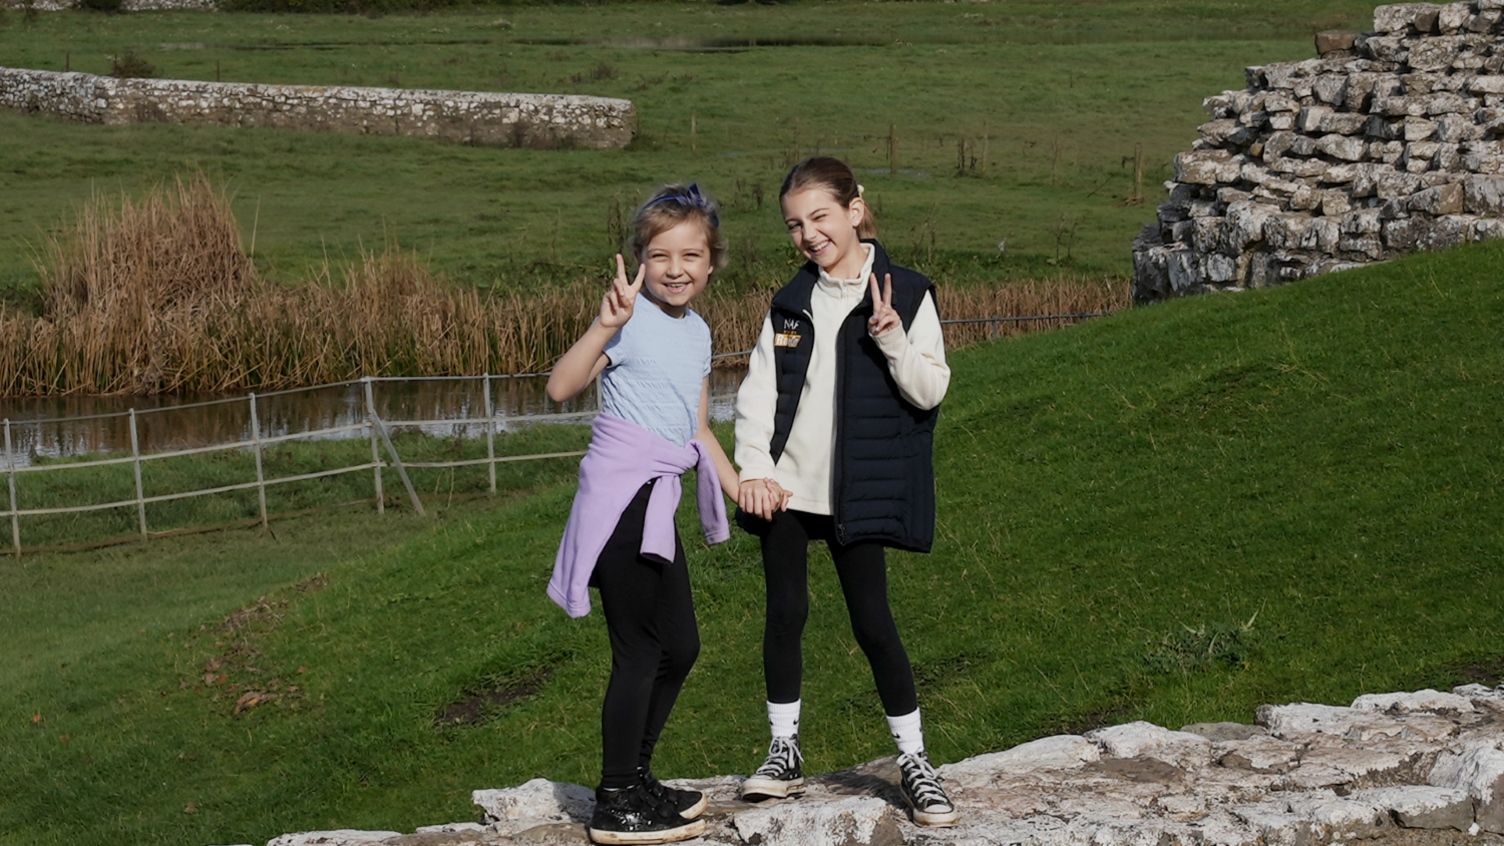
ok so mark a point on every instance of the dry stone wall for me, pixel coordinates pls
(508, 120)
(1388, 143)
(1394, 769)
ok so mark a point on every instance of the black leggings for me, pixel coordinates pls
(650, 616)
(864, 580)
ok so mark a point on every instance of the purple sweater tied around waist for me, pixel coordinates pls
(621, 459)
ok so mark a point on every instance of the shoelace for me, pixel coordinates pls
(922, 780)
(782, 755)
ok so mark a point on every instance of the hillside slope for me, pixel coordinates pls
(1174, 514)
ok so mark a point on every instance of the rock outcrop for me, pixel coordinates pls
(1387, 144)
(1424, 767)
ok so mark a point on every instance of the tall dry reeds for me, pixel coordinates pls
(157, 295)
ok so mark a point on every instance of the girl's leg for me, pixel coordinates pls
(863, 571)
(785, 559)
(630, 588)
(679, 637)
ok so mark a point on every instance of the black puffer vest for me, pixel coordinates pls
(882, 473)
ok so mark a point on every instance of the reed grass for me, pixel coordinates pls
(158, 295)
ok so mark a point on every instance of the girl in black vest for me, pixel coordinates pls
(834, 429)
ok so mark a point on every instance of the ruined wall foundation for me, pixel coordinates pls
(507, 120)
(1388, 143)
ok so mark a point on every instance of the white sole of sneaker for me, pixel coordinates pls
(692, 828)
(696, 809)
(942, 819)
(767, 788)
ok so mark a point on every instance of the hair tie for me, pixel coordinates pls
(691, 198)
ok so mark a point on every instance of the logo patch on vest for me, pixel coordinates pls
(786, 339)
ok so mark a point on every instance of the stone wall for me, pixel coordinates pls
(508, 120)
(1389, 142)
(1395, 769)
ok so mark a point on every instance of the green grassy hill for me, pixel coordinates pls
(1173, 514)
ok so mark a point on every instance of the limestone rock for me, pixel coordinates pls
(1417, 806)
(1477, 769)
(1146, 740)
(539, 800)
(1060, 752)
(850, 821)
(339, 837)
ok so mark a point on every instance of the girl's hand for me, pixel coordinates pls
(884, 318)
(616, 307)
(761, 497)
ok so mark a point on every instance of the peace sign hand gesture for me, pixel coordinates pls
(884, 318)
(616, 307)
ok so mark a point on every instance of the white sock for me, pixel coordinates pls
(907, 732)
(783, 718)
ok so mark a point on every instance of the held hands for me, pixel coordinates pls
(884, 318)
(616, 307)
(762, 497)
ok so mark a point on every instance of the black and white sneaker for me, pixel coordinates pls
(688, 803)
(922, 791)
(631, 815)
(780, 775)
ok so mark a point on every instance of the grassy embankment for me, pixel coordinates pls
(1173, 514)
(1014, 123)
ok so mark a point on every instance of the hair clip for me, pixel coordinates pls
(861, 190)
(690, 198)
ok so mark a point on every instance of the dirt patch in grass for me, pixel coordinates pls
(236, 676)
(474, 709)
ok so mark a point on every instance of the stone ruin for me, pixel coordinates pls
(1388, 143)
(1410, 769)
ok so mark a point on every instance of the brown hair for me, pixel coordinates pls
(834, 176)
(670, 206)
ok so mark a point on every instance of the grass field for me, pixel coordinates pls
(1015, 123)
(1173, 514)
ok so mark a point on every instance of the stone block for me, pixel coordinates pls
(1339, 174)
(1427, 22)
(1340, 818)
(1453, 17)
(1447, 232)
(1483, 194)
(1305, 146)
(1457, 129)
(1059, 752)
(1305, 198)
(338, 837)
(1403, 235)
(1479, 771)
(1265, 754)
(1334, 40)
(1442, 200)
(1206, 237)
(1450, 103)
(1184, 268)
(1321, 236)
(1309, 120)
(1420, 806)
(1329, 88)
(1418, 129)
(850, 821)
(1432, 54)
(1398, 18)
(538, 799)
(1146, 740)
(1200, 167)
(1151, 277)
(1486, 84)
(1335, 203)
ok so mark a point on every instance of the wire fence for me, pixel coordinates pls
(250, 428)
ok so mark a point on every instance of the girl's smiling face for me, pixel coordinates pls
(825, 231)
(678, 266)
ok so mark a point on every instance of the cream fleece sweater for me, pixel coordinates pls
(916, 359)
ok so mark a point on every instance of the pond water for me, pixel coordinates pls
(62, 427)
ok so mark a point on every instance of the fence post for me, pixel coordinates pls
(260, 475)
(10, 468)
(490, 433)
(140, 491)
(375, 451)
(397, 463)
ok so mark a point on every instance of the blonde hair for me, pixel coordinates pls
(834, 176)
(670, 206)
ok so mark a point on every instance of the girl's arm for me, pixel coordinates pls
(755, 402)
(916, 358)
(587, 358)
(723, 469)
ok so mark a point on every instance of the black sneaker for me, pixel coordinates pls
(780, 775)
(922, 790)
(632, 815)
(688, 803)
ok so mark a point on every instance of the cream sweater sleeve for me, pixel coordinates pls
(756, 402)
(916, 358)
